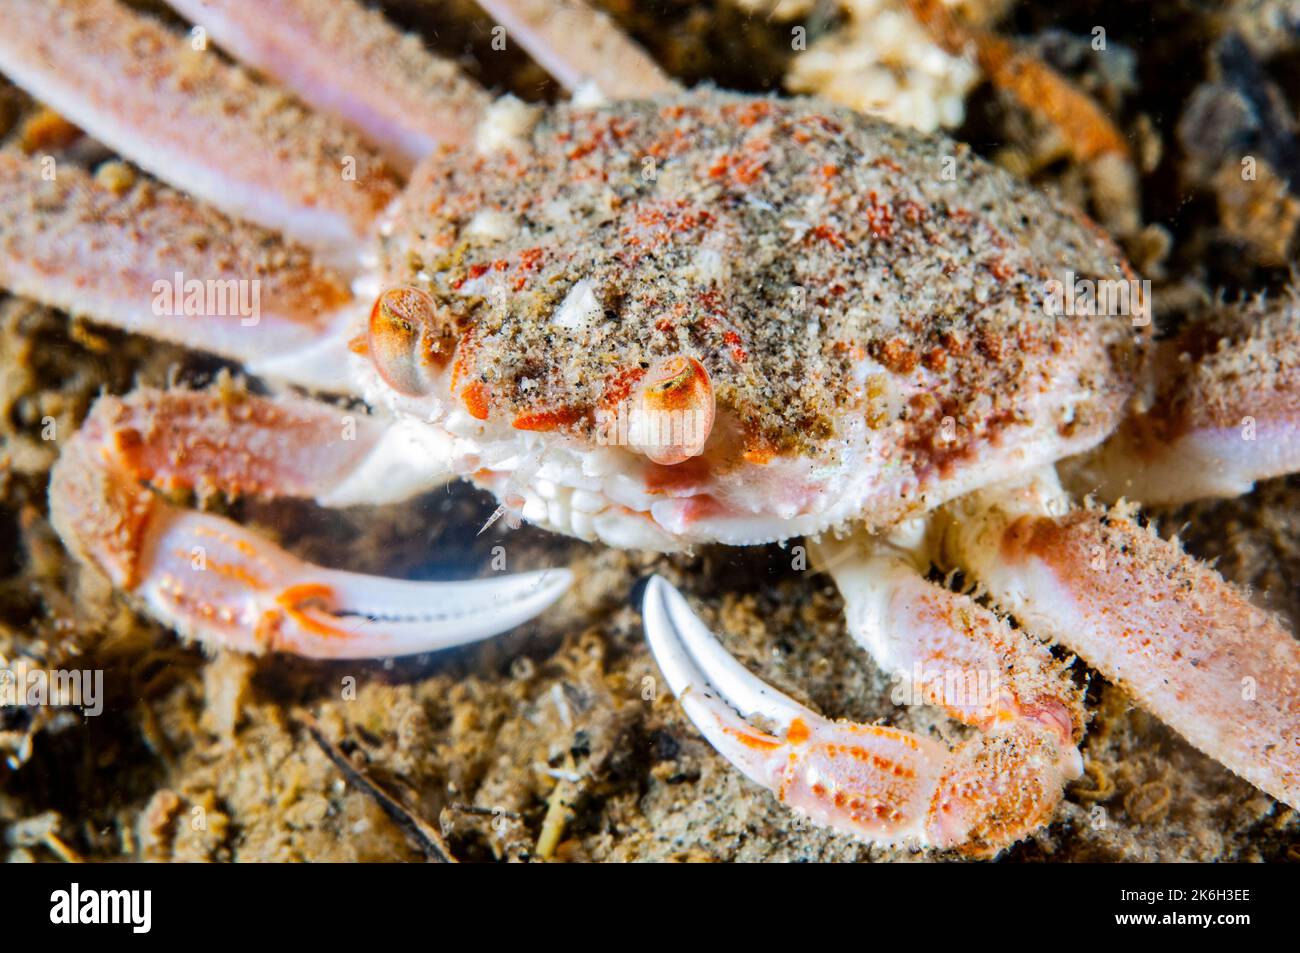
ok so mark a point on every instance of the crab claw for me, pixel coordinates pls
(878, 784)
(672, 411)
(229, 587)
(213, 580)
(877, 790)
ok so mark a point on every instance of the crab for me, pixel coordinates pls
(656, 320)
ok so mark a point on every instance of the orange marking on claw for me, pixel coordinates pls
(880, 731)
(237, 572)
(757, 742)
(882, 764)
(302, 592)
(316, 626)
(291, 601)
(798, 732)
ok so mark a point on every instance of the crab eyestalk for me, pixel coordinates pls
(673, 409)
(410, 340)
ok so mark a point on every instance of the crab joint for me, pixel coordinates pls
(672, 411)
(410, 339)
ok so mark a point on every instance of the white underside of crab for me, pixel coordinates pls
(607, 493)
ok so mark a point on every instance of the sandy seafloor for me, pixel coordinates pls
(561, 731)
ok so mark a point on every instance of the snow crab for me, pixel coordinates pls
(666, 320)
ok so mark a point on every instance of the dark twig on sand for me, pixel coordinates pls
(418, 830)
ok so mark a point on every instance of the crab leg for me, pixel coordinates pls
(1188, 645)
(1227, 414)
(879, 784)
(1083, 126)
(1087, 130)
(950, 650)
(581, 47)
(215, 581)
(196, 122)
(350, 62)
(164, 265)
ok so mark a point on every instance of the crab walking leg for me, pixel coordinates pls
(1083, 126)
(142, 257)
(1188, 645)
(197, 122)
(1227, 415)
(943, 647)
(1087, 130)
(350, 62)
(215, 581)
(581, 47)
(879, 784)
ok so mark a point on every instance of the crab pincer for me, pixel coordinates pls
(879, 784)
(215, 581)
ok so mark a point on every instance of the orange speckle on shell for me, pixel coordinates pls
(544, 421)
(936, 359)
(829, 235)
(1000, 270)
(897, 356)
(737, 350)
(475, 399)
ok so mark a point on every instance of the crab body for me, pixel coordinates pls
(873, 328)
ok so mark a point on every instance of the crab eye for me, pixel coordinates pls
(409, 340)
(674, 408)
